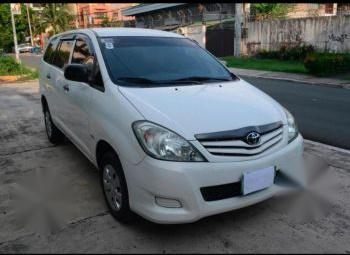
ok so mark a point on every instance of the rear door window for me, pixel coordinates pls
(61, 58)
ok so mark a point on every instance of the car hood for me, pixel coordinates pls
(205, 108)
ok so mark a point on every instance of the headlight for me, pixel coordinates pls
(161, 143)
(292, 126)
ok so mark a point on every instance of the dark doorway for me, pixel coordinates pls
(219, 40)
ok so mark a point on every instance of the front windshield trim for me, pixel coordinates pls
(164, 83)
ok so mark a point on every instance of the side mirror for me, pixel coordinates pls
(76, 72)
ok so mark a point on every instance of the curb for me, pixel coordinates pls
(9, 78)
(330, 147)
(345, 85)
(324, 84)
(17, 81)
(329, 85)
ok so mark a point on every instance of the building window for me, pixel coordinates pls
(314, 6)
(213, 8)
(100, 15)
(329, 8)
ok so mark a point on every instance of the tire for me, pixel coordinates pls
(114, 187)
(54, 135)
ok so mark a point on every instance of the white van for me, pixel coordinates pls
(175, 135)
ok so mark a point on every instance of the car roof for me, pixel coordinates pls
(126, 31)
(133, 32)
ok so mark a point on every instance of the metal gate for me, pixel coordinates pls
(219, 41)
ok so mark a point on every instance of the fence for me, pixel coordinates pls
(180, 21)
(330, 33)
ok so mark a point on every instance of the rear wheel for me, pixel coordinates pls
(114, 187)
(54, 135)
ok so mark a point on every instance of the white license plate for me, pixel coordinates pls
(257, 180)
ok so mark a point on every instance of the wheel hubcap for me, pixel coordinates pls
(48, 124)
(112, 188)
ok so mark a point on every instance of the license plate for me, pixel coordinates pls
(257, 180)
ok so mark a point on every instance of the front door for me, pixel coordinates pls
(59, 61)
(79, 95)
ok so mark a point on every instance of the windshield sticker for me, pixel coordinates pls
(104, 40)
(109, 45)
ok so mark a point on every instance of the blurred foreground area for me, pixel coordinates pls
(50, 201)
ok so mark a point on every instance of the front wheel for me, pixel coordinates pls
(54, 135)
(115, 188)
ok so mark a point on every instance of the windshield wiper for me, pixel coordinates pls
(200, 79)
(145, 81)
(138, 80)
(186, 80)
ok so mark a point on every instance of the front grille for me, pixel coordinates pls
(219, 192)
(233, 143)
(229, 190)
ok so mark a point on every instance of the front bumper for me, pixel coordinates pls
(182, 181)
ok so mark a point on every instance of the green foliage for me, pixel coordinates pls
(266, 54)
(21, 21)
(9, 66)
(54, 16)
(274, 65)
(297, 53)
(105, 22)
(274, 10)
(325, 64)
(294, 53)
(110, 23)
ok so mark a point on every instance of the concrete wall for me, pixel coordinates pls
(195, 32)
(325, 33)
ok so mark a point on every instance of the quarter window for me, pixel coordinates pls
(62, 55)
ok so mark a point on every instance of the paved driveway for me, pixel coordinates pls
(31, 170)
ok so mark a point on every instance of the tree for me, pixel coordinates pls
(56, 17)
(106, 22)
(21, 22)
(264, 11)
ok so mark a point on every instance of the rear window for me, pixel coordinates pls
(49, 50)
(62, 54)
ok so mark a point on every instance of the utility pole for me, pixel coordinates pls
(77, 16)
(30, 27)
(238, 29)
(14, 35)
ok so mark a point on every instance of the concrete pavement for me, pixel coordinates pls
(273, 226)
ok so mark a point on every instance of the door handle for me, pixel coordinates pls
(48, 76)
(66, 87)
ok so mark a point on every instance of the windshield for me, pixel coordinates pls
(158, 61)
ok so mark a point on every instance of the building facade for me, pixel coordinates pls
(200, 22)
(313, 10)
(94, 14)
